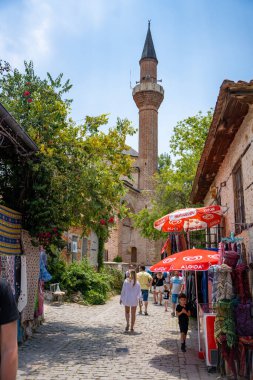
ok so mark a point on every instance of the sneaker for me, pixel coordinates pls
(173, 314)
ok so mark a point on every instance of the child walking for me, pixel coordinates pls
(166, 294)
(183, 314)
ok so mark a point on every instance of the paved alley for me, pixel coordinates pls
(88, 342)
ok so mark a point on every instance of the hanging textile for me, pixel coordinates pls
(44, 274)
(168, 247)
(231, 258)
(222, 283)
(244, 348)
(17, 274)
(221, 250)
(204, 288)
(244, 319)
(224, 326)
(10, 229)
(32, 270)
(8, 270)
(241, 282)
(190, 287)
(224, 331)
(183, 242)
(22, 301)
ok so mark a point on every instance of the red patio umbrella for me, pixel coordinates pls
(190, 219)
(191, 260)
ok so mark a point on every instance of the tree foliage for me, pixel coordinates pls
(75, 177)
(175, 177)
(95, 287)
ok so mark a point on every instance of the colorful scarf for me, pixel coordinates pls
(10, 231)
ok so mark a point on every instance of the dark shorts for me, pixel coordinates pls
(183, 327)
(144, 294)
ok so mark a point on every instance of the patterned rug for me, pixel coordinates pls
(10, 230)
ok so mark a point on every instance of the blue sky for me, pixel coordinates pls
(98, 43)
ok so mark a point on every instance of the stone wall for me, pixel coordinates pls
(124, 237)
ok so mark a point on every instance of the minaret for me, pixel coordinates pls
(148, 95)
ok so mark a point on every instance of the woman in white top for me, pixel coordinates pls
(130, 295)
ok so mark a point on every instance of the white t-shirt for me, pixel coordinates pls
(130, 294)
(177, 283)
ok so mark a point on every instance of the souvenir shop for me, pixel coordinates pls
(224, 305)
(23, 266)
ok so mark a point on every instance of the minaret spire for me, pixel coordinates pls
(148, 50)
(148, 95)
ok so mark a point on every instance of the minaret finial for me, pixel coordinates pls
(149, 50)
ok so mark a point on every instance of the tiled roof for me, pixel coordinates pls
(14, 136)
(231, 108)
(131, 152)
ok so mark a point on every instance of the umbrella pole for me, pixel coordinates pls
(197, 300)
(188, 239)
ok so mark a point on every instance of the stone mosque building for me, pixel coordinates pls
(125, 240)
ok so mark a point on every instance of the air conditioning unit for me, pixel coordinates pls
(74, 247)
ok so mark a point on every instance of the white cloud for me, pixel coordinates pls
(29, 28)
(25, 32)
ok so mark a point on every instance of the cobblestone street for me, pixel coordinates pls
(79, 342)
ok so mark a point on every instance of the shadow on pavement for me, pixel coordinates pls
(59, 342)
(167, 363)
(168, 344)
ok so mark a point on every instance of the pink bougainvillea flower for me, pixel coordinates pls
(102, 221)
(111, 220)
(29, 100)
(26, 93)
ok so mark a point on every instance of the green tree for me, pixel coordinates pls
(175, 177)
(75, 178)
